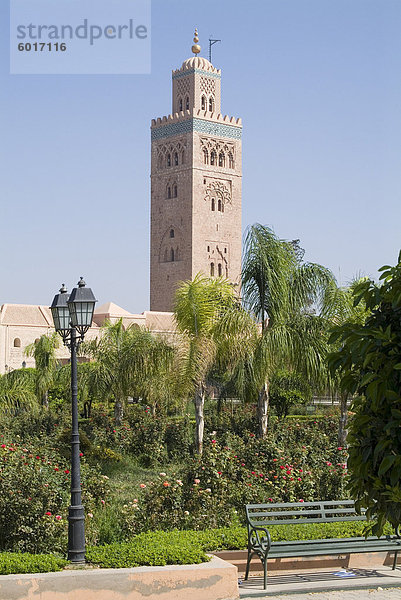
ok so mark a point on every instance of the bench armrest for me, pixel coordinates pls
(257, 541)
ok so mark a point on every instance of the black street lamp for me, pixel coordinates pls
(72, 316)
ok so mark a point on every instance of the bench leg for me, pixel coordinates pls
(265, 573)
(248, 563)
(395, 559)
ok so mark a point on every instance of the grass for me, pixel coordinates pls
(126, 476)
(124, 480)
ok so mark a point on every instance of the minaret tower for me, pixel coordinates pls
(196, 176)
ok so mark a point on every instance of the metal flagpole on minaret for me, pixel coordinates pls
(211, 42)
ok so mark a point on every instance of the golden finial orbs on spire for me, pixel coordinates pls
(196, 48)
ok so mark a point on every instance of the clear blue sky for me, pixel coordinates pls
(318, 85)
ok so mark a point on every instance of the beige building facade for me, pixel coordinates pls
(22, 324)
(196, 172)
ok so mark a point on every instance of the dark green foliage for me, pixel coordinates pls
(288, 389)
(13, 562)
(370, 365)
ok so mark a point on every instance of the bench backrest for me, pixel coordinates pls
(302, 512)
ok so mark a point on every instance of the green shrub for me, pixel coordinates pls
(13, 562)
(34, 498)
(288, 389)
(156, 548)
(369, 363)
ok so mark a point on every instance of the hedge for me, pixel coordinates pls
(190, 547)
(177, 547)
(152, 549)
(15, 562)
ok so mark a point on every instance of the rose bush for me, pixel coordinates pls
(211, 491)
(34, 497)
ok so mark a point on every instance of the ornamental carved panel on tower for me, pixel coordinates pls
(171, 154)
(217, 153)
(218, 193)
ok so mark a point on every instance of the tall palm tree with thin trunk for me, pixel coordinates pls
(286, 296)
(44, 353)
(215, 330)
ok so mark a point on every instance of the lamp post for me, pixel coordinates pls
(72, 316)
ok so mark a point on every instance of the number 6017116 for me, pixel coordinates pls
(42, 47)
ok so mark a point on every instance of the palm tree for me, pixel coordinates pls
(215, 330)
(339, 309)
(127, 361)
(44, 352)
(17, 392)
(286, 296)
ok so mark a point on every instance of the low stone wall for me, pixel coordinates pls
(215, 580)
(277, 565)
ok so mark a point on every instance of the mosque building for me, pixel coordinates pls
(196, 173)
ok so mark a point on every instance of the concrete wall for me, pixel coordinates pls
(216, 580)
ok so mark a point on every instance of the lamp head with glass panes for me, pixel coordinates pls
(81, 305)
(60, 312)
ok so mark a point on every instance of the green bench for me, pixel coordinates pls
(260, 516)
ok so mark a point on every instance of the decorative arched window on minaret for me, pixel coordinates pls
(202, 150)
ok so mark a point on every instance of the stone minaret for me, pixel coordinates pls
(195, 185)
